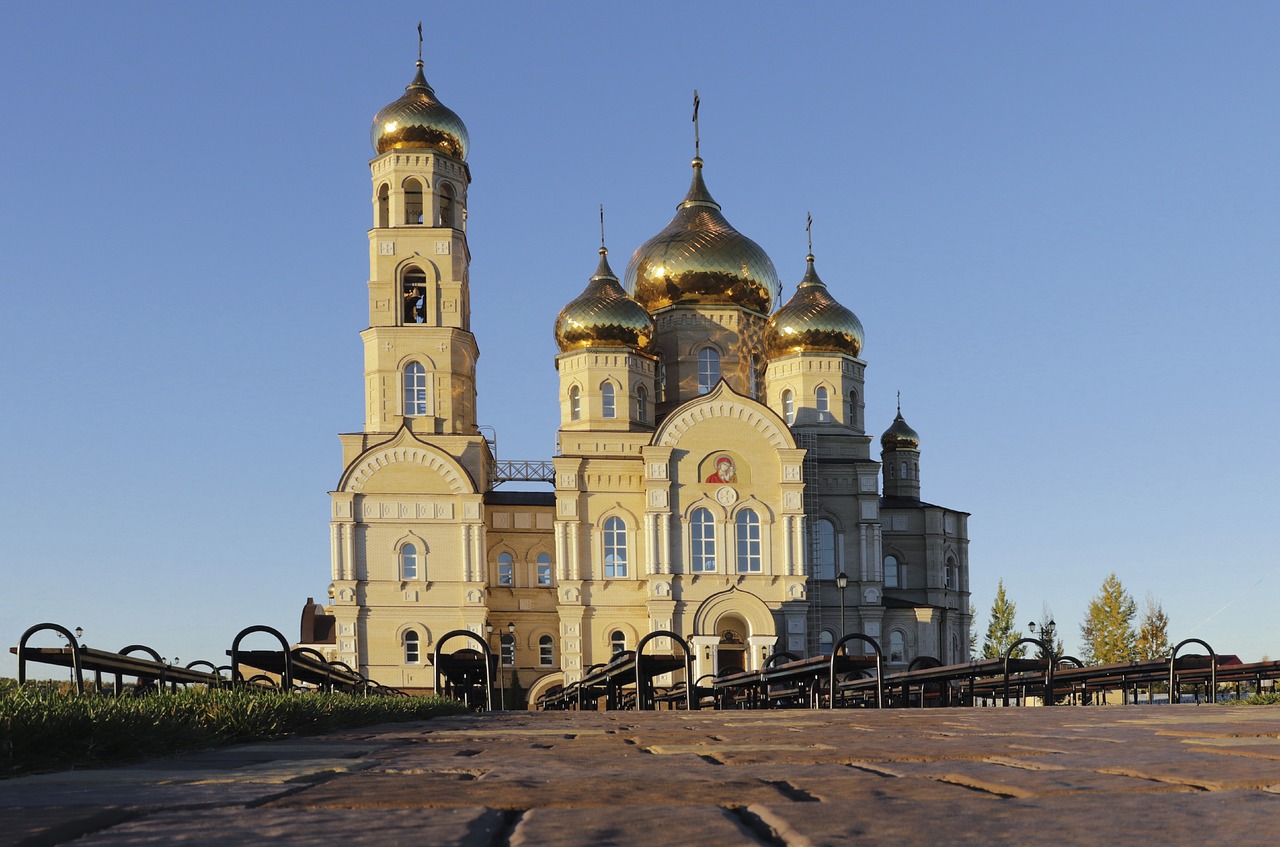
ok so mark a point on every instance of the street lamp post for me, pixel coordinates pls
(511, 633)
(842, 582)
(502, 688)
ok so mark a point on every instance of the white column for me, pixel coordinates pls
(867, 572)
(650, 543)
(575, 563)
(561, 560)
(349, 549)
(788, 551)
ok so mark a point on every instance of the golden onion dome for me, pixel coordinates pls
(899, 436)
(418, 121)
(813, 322)
(603, 316)
(700, 260)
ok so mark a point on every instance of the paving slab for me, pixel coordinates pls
(1115, 775)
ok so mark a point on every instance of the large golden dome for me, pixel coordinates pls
(700, 260)
(418, 121)
(813, 322)
(899, 436)
(603, 316)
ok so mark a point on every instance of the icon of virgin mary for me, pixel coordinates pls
(725, 473)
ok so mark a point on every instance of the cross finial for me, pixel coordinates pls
(601, 226)
(696, 141)
(899, 404)
(808, 227)
(419, 41)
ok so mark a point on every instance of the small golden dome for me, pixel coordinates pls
(700, 260)
(418, 121)
(899, 436)
(813, 322)
(603, 316)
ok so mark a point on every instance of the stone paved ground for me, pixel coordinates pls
(1102, 775)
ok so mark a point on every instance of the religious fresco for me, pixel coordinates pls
(724, 467)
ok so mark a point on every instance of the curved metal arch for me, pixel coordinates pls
(644, 686)
(1213, 668)
(286, 681)
(488, 662)
(1046, 650)
(65, 633)
(875, 645)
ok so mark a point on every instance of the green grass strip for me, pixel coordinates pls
(45, 730)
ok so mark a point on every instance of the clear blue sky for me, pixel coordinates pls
(1057, 222)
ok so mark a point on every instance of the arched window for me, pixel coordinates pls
(892, 572)
(788, 407)
(826, 642)
(702, 534)
(823, 405)
(746, 530)
(852, 419)
(904, 471)
(408, 562)
(617, 642)
(608, 406)
(446, 204)
(506, 569)
(953, 574)
(642, 404)
(708, 369)
(415, 390)
(384, 206)
(508, 650)
(412, 201)
(824, 549)
(575, 403)
(414, 291)
(546, 651)
(411, 653)
(897, 646)
(660, 380)
(615, 548)
(544, 569)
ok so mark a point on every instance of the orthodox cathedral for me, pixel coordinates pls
(714, 476)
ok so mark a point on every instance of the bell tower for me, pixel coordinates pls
(419, 353)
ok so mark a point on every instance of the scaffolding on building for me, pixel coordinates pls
(808, 441)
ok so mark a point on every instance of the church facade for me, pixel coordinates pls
(714, 476)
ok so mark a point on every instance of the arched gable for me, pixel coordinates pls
(737, 602)
(404, 451)
(724, 402)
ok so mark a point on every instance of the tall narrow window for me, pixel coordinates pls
(747, 538)
(753, 378)
(412, 201)
(904, 471)
(897, 647)
(546, 651)
(824, 408)
(415, 390)
(506, 569)
(953, 574)
(702, 535)
(826, 642)
(788, 407)
(384, 205)
(414, 292)
(824, 549)
(508, 650)
(544, 569)
(660, 381)
(411, 652)
(617, 642)
(615, 548)
(642, 404)
(408, 562)
(608, 404)
(852, 419)
(708, 369)
(446, 204)
(892, 572)
(575, 403)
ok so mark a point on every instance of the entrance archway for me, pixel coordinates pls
(731, 652)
